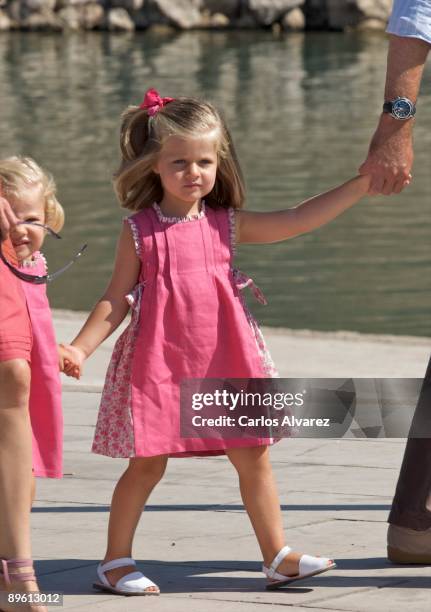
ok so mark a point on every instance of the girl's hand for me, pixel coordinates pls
(364, 181)
(71, 360)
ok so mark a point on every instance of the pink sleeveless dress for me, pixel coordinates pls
(188, 321)
(45, 390)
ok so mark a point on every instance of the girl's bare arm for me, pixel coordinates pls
(266, 227)
(112, 307)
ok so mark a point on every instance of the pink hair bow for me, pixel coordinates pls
(153, 102)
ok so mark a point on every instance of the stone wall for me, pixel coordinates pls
(117, 15)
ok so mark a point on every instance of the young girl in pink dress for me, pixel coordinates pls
(180, 176)
(30, 193)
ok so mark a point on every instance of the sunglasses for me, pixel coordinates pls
(36, 279)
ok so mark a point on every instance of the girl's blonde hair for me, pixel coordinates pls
(17, 173)
(142, 137)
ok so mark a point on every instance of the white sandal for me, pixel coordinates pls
(308, 566)
(134, 583)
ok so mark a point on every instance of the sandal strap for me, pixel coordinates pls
(9, 565)
(116, 563)
(309, 564)
(144, 582)
(277, 560)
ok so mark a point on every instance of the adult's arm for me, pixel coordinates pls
(390, 156)
(7, 217)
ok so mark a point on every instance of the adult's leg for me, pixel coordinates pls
(409, 533)
(15, 459)
(15, 471)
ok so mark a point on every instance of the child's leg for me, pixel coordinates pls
(15, 468)
(128, 502)
(260, 497)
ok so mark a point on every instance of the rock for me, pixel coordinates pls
(350, 13)
(92, 16)
(140, 19)
(76, 2)
(152, 14)
(5, 22)
(118, 19)
(276, 28)
(246, 21)
(129, 5)
(14, 10)
(372, 24)
(375, 9)
(342, 14)
(294, 20)
(163, 29)
(219, 20)
(37, 6)
(184, 14)
(70, 18)
(228, 8)
(43, 20)
(316, 15)
(267, 12)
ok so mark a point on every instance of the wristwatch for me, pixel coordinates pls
(400, 108)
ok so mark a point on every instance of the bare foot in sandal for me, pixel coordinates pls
(121, 577)
(289, 566)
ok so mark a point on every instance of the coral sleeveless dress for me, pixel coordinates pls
(188, 321)
(45, 390)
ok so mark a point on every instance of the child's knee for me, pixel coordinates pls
(250, 460)
(14, 383)
(151, 469)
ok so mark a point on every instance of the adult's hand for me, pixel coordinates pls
(7, 217)
(390, 156)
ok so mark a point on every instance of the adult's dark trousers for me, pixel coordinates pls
(414, 482)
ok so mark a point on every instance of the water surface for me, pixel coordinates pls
(301, 108)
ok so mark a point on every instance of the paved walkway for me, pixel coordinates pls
(195, 539)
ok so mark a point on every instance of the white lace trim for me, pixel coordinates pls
(232, 231)
(164, 219)
(135, 234)
(42, 256)
(35, 258)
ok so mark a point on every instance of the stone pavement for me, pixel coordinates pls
(194, 538)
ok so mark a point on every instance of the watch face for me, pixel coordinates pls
(402, 108)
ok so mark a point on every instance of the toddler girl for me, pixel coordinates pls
(181, 177)
(30, 196)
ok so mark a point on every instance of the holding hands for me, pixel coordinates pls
(390, 157)
(71, 359)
